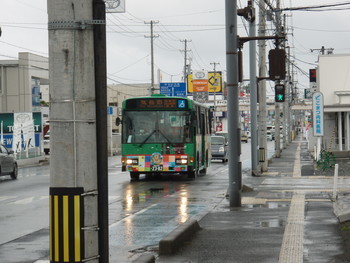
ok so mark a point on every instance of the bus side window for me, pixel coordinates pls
(199, 123)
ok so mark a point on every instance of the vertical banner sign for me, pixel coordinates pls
(35, 92)
(23, 131)
(317, 111)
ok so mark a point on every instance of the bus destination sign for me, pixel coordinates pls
(156, 103)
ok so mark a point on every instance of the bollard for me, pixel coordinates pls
(315, 153)
(335, 182)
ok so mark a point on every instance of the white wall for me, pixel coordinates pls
(334, 75)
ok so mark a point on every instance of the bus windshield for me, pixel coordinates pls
(142, 127)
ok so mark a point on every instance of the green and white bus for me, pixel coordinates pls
(165, 135)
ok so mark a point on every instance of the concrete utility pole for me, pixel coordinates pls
(215, 84)
(152, 36)
(185, 57)
(253, 96)
(78, 137)
(289, 96)
(262, 87)
(286, 104)
(235, 167)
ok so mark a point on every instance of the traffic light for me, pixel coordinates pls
(280, 93)
(277, 64)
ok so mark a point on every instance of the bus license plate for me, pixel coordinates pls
(157, 168)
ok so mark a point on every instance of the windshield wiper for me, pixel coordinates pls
(149, 136)
(166, 138)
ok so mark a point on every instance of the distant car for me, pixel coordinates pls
(219, 148)
(222, 133)
(244, 137)
(270, 136)
(8, 164)
(46, 143)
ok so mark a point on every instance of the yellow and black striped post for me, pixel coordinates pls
(66, 222)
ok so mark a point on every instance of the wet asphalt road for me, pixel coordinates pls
(140, 213)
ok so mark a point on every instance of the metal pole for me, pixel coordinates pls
(277, 104)
(99, 13)
(235, 173)
(185, 71)
(262, 85)
(214, 63)
(253, 97)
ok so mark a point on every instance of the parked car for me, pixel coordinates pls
(222, 133)
(270, 135)
(46, 143)
(244, 137)
(8, 164)
(219, 149)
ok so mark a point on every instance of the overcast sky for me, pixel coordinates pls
(201, 22)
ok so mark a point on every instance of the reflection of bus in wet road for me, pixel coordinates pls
(165, 135)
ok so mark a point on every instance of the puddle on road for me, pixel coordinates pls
(270, 223)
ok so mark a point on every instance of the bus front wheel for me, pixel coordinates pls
(134, 176)
(193, 174)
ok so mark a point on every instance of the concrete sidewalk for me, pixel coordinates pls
(289, 216)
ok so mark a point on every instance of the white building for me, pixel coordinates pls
(333, 81)
(22, 81)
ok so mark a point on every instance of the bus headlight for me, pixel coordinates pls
(132, 161)
(181, 161)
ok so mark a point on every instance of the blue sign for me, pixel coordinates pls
(181, 104)
(109, 110)
(176, 89)
(8, 139)
(317, 110)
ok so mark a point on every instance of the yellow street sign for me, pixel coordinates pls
(214, 83)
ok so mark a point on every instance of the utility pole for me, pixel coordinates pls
(234, 167)
(289, 86)
(152, 36)
(78, 138)
(185, 57)
(286, 104)
(262, 87)
(253, 95)
(215, 84)
(323, 49)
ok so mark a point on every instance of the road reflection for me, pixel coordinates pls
(151, 210)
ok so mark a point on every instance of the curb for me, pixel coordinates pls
(341, 210)
(172, 242)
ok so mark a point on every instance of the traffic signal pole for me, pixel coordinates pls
(235, 169)
(100, 67)
(253, 96)
(277, 104)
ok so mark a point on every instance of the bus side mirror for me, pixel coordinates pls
(118, 121)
